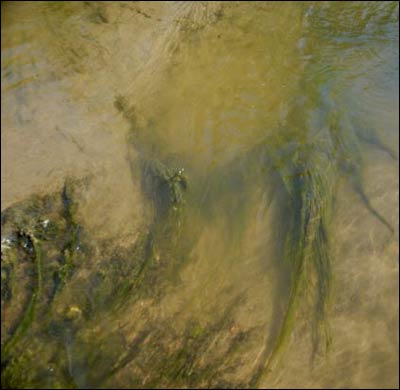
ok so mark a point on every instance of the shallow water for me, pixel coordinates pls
(270, 260)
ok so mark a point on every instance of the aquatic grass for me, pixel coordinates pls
(310, 163)
(29, 314)
(68, 239)
(169, 356)
(121, 276)
(165, 247)
(165, 185)
(306, 155)
(317, 144)
(46, 234)
(307, 175)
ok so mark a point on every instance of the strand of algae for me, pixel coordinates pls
(29, 314)
(309, 168)
(165, 188)
(72, 229)
(317, 148)
(38, 237)
(308, 177)
(310, 182)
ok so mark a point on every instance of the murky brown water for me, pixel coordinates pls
(271, 260)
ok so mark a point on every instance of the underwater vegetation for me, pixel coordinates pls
(74, 295)
(41, 238)
(310, 153)
(80, 311)
(72, 286)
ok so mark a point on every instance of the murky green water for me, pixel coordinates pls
(200, 195)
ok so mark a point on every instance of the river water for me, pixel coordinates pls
(200, 194)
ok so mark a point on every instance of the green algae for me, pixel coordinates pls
(29, 314)
(169, 357)
(120, 275)
(48, 243)
(307, 158)
(310, 156)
